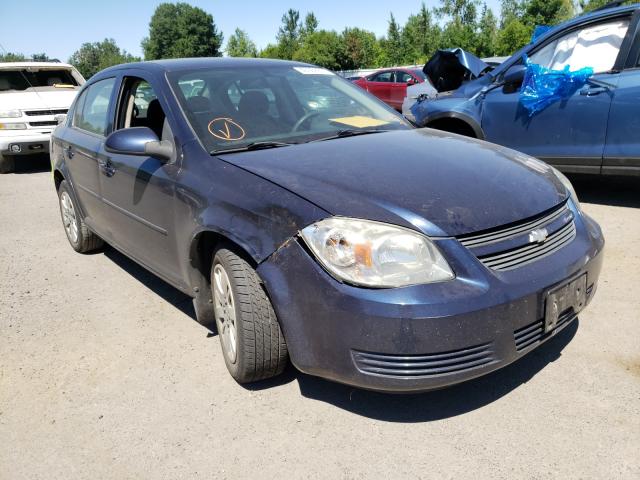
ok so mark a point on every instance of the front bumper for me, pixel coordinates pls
(25, 142)
(426, 336)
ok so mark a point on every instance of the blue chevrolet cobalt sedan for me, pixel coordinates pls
(310, 222)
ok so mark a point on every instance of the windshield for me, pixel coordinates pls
(230, 108)
(22, 79)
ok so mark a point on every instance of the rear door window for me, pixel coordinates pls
(382, 77)
(92, 113)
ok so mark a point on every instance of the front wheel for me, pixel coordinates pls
(250, 335)
(80, 237)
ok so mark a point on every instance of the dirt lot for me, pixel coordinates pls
(104, 373)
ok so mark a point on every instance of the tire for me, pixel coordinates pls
(7, 164)
(80, 237)
(243, 310)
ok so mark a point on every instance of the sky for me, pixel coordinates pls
(59, 27)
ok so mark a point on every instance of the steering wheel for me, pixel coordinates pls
(303, 119)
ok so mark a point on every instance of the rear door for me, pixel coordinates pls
(569, 134)
(380, 85)
(139, 190)
(83, 145)
(622, 149)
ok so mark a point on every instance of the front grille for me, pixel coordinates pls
(37, 113)
(51, 123)
(424, 365)
(483, 239)
(520, 256)
(532, 334)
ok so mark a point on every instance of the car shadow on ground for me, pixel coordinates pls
(32, 163)
(606, 190)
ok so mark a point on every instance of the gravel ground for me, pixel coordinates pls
(104, 373)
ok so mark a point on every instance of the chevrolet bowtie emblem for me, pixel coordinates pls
(538, 235)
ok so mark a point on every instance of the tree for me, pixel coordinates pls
(240, 45)
(180, 30)
(320, 48)
(310, 25)
(420, 36)
(93, 57)
(512, 37)
(40, 57)
(270, 51)
(510, 9)
(289, 34)
(392, 45)
(487, 34)
(12, 57)
(359, 49)
(547, 12)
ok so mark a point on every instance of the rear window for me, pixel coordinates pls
(17, 80)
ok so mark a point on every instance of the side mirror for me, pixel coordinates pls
(515, 75)
(141, 141)
(410, 82)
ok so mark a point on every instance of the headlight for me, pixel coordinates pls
(10, 114)
(13, 126)
(375, 254)
(567, 184)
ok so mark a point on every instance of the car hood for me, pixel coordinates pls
(436, 182)
(34, 100)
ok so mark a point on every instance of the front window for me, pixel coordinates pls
(231, 108)
(595, 46)
(25, 78)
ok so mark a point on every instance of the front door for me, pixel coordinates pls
(82, 146)
(139, 190)
(569, 133)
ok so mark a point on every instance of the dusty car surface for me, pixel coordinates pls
(591, 128)
(32, 94)
(365, 250)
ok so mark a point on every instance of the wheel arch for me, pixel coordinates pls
(456, 122)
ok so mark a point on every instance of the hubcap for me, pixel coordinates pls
(69, 217)
(225, 309)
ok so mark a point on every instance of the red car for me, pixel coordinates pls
(390, 85)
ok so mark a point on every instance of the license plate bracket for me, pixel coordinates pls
(572, 294)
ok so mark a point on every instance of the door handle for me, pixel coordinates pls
(69, 151)
(106, 167)
(593, 91)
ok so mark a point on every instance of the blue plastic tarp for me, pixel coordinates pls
(542, 86)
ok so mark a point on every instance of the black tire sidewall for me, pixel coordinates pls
(236, 368)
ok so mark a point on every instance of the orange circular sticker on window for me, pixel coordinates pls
(226, 129)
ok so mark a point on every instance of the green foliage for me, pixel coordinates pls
(270, 51)
(310, 25)
(359, 49)
(420, 37)
(93, 57)
(289, 34)
(392, 45)
(512, 37)
(322, 48)
(180, 30)
(40, 57)
(487, 33)
(12, 57)
(547, 12)
(240, 45)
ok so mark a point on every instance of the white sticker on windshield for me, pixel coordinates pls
(313, 71)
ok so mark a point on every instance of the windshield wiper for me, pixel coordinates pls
(252, 146)
(349, 133)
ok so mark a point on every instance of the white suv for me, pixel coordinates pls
(31, 95)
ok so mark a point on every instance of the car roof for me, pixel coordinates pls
(12, 65)
(178, 64)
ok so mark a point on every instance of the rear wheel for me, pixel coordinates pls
(7, 164)
(250, 335)
(80, 237)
